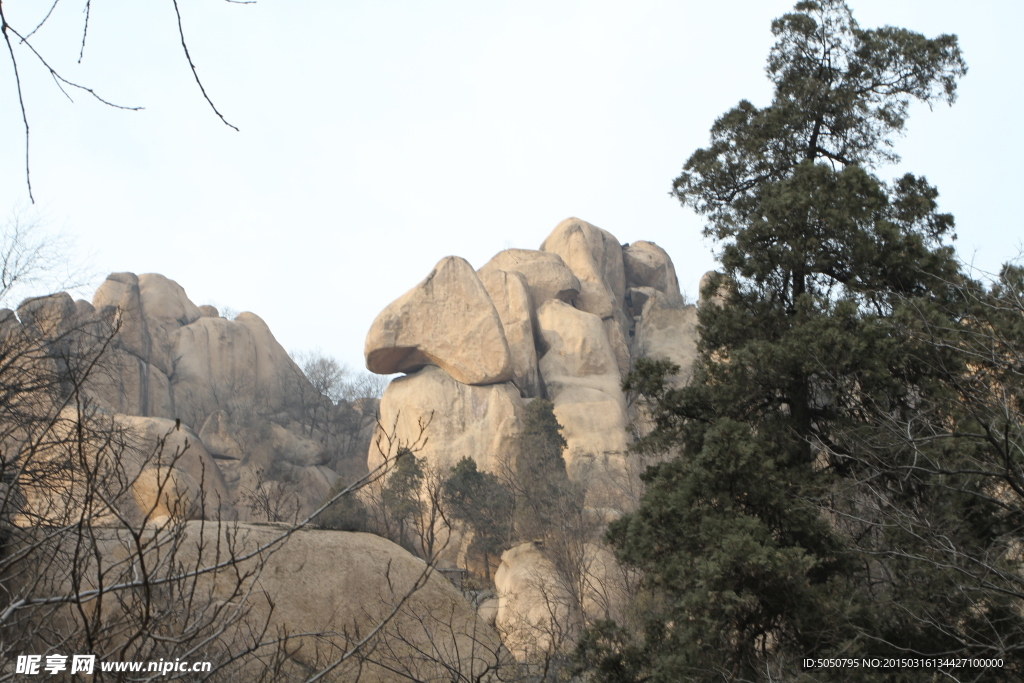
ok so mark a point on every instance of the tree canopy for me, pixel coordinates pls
(794, 523)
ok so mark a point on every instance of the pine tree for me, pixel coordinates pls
(543, 490)
(756, 540)
(480, 501)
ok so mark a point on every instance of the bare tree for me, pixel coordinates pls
(19, 27)
(116, 545)
(31, 261)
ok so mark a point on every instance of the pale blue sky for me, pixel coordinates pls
(378, 137)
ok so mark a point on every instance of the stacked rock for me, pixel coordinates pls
(563, 323)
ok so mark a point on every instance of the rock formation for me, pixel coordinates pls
(447, 320)
(353, 586)
(563, 323)
(574, 316)
(172, 377)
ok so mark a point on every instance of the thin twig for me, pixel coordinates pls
(40, 24)
(4, 27)
(184, 46)
(85, 29)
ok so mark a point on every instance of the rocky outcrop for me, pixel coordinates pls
(595, 257)
(447, 320)
(511, 296)
(574, 316)
(648, 265)
(582, 377)
(534, 606)
(166, 366)
(667, 329)
(546, 274)
(537, 614)
(160, 463)
(458, 420)
(321, 590)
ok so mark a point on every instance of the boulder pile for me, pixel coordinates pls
(211, 406)
(563, 323)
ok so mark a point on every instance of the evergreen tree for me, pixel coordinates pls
(756, 539)
(543, 490)
(400, 496)
(480, 501)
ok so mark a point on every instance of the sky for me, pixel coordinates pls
(375, 138)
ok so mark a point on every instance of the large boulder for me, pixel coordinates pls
(271, 472)
(668, 330)
(49, 316)
(511, 296)
(163, 493)
(577, 350)
(715, 288)
(166, 308)
(190, 362)
(648, 265)
(582, 379)
(458, 420)
(158, 443)
(546, 274)
(595, 257)
(447, 320)
(233, 365)
(301, 598)
(148, 310)
(146, 468)
(128, 384)
(534, 606)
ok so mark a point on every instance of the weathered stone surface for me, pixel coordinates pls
(128, 384)
(117, 300)
(534, 606)
(532, 603)
(271, 472)
(279, 381)
(219, 437)
(84, 309)
(636, 297)
(668, 329)
(576, 344)
(615, 330)
(447, 320)
(462, 420)
(165, 309)
(235, 365)
(312, 586)
(171, 359)
(582, 379)
(48, 316)
(546, 274)
(511, 297)
(119, 449)
(595, 257)
(709, 293)
(159, 442)
(594, 427)
(163, 493)
(276, 445)
(648, 265)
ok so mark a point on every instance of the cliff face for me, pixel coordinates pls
(254, 434)
(563, 323)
